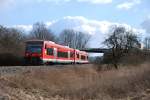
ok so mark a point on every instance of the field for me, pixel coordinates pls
(77, 82)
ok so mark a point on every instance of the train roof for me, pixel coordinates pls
(55, 44)
(51, 42)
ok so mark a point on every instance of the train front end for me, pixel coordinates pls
(34, 52)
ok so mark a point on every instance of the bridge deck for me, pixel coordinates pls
(95, 50)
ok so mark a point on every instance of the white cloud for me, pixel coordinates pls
(26, 28)
(128, 5)
(97, 29)
(92, 27)
(80, 23)
(96, 1)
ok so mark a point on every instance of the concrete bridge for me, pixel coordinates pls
(96, 50)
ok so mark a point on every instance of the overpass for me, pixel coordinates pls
(96, 50)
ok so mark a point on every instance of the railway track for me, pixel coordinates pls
(9, 70)
(12, 69)
(20, 69)
(4, 70)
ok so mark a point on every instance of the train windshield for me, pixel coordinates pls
(34, 49)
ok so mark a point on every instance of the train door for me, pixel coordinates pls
(69, 60)
(69, 55)
(55, 54)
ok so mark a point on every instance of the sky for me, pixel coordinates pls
(94, 17)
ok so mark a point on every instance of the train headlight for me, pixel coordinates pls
(27, 54)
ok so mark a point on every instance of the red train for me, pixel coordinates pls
(48, 52)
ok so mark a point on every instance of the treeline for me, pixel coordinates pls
(12, 41)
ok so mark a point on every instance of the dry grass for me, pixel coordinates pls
(77, 83)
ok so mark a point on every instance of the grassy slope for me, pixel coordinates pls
(78, 83)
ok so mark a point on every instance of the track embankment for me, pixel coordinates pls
(4, 70)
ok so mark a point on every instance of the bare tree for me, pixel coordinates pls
(120, 42)
(40, 31)
(11, 40)
(74, 39)
(66, 37)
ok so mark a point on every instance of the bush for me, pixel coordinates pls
(11, 46)
(8, 59)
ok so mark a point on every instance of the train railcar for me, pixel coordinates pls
(48, 52)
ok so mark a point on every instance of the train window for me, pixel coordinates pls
(77, 55)
(63, 54)
(82, 57)
(50, 51)
(34, 48)
(71, 54)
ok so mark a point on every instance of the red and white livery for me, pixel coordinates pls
(45, 52)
